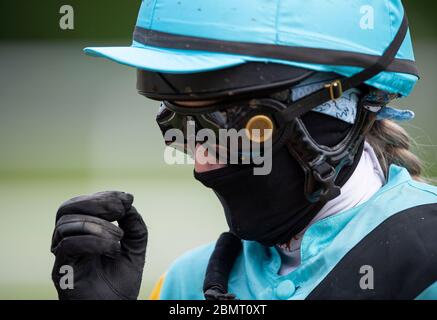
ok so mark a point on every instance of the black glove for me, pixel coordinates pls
(107, 261)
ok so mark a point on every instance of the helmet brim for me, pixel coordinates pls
(166, 60)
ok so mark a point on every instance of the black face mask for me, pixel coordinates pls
(271, 209)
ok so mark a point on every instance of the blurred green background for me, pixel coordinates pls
(71, 124)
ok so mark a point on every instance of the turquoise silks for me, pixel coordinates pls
(255, 273)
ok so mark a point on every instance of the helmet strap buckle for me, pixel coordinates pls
(335, 89)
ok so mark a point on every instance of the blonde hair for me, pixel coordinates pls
(392, 145)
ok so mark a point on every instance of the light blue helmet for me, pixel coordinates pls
(344, 37)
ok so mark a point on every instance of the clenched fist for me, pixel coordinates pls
(106, 260)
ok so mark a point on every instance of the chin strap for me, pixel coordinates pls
(322, 164)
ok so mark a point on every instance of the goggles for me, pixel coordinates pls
(239, 130)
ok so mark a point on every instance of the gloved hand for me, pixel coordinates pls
(107, 261)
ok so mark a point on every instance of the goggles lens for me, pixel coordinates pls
(242, 129)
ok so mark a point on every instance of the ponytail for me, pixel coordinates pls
(392, 145)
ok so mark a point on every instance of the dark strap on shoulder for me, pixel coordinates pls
(395, 261)
(226, 251)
